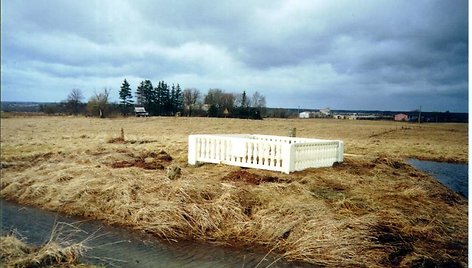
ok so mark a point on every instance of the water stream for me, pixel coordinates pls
(454, 176)
(121, 247)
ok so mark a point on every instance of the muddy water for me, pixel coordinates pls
(454, 176)
(120, 247)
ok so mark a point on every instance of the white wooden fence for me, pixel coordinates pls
(276, 153)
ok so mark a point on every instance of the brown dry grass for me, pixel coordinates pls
(373, 210)
(58, 251)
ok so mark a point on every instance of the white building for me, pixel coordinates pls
(325, 112)
(304, 115)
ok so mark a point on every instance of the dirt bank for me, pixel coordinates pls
(373, 210)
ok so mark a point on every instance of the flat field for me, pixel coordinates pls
(373, 210)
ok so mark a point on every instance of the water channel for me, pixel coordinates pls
(454, 176)
(120, 247)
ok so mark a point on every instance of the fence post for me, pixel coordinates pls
(340, 155)
(288, 156)
(293, 132)
(192, 149)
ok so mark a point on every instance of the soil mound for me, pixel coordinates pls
(149, 160)
(251, 178)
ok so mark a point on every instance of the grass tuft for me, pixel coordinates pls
(59, 251)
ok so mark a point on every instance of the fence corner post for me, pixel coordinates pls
(288, 158)
(192, 149)
(340, 156)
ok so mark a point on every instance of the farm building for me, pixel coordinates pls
(140, 111)
(305, 115)
(339, 116)
(325, 112)
(401, 117)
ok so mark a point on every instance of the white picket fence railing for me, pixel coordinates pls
(276, 153)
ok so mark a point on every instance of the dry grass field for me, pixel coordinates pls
(373, 210)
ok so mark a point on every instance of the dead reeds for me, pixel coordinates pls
(59, 250)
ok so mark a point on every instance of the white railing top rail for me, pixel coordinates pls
(320, 142)
(282, 139)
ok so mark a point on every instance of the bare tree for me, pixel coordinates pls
(227, 101)
(74, 100)
(191, 97)
(258, 100)
(98, 104)
(219, 101)
(259, 103)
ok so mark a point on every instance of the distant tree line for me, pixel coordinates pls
(98, 105)
(162, 100)
(218, 103)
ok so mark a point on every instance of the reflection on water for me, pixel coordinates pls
(454, 176)
(119, 247)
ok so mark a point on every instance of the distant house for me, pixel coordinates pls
(325, 112)
(401, 117)
(352, 116)
(304, 115)
(140, 111)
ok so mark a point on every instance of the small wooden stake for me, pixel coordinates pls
(293, 132)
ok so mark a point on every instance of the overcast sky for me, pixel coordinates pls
(386, 55)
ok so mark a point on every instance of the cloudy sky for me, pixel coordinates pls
(354, 54)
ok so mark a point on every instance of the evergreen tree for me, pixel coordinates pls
(140, 94)
(166, 99)
(178, 99)
(145, 95)
(161, 100)
(159, 91)
(149, 96)
(213, 111)
(173, 101)
(126, 98)
(244, 109)
(244, 100)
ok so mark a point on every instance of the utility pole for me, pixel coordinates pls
(419, 116)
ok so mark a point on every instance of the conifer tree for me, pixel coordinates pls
(126, 98)
(140, 94)
(173, 101)
(159, 97)
(145, 95)
(165, 99)
(178, 99)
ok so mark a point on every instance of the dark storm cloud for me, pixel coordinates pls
(341, 54)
